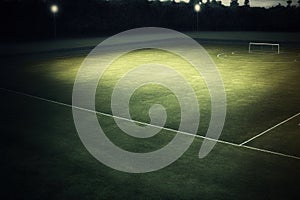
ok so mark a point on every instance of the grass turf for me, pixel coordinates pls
(43, 157)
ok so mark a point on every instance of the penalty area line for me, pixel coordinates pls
(269, 129)
(143, 123)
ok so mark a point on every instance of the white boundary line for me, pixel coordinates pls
(117, 117)
(269, 129)
(143, 123)
(271, 152)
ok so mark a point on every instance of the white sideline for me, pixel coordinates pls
(269, 129)
(143, 123)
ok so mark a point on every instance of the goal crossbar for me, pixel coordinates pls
(264, 44)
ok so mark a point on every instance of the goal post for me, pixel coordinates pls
(261, 46)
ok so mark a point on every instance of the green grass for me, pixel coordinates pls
(284, 138)
(43, 157)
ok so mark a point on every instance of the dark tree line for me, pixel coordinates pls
(33, 19)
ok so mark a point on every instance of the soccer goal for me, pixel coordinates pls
(264, 47)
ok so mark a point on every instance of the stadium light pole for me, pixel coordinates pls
(197, 9)
(54, 10)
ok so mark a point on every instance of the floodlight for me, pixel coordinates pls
(54, 9)
(197, 8)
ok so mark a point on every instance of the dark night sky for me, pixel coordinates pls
(256, 3)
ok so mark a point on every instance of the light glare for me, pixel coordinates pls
(197, 8)
(54, 8)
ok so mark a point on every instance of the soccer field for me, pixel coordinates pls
(256, 157)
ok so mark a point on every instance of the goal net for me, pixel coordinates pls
(264, 47)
